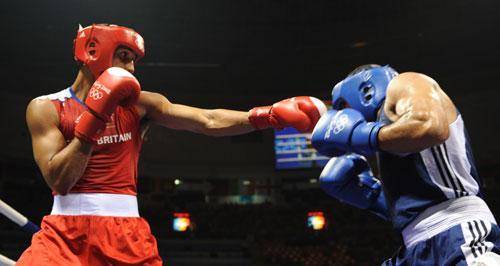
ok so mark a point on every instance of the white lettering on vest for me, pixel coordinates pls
(114, 138)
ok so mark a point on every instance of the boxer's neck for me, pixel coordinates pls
(82, 83)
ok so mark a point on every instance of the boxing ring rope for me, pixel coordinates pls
(4, 261)
(18, 219)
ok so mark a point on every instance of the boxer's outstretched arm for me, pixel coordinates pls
(421, 113)
(213, 122)
(61, 164)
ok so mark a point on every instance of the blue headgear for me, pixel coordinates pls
(364, 91)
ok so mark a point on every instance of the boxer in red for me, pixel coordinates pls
(86, 142)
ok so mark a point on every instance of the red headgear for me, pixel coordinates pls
(95, 45)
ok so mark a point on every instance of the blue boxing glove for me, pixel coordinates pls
(349, 179)
(340, 132)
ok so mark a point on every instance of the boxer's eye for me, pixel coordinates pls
(126, 56)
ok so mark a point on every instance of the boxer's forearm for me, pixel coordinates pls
(412, 134)
(214, 122)
(67, 166)
(223, 122)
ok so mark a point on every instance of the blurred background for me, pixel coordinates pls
(238, 203)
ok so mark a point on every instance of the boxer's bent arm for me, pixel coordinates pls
(214, 122)
(421, 113)
(61, 164)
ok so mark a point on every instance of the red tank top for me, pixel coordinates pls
(112, 167)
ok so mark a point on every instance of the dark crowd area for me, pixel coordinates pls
(235, 234)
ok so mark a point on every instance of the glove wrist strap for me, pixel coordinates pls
(364, 139)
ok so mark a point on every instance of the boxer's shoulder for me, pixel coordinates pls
(411, 83)
(45, 103)
(41, 110)
(40, 106)
(413, 87)
(62, 96)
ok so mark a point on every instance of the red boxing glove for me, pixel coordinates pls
(116, 86)
(301, 113)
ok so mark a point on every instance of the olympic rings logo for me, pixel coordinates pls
(95, 94)
(340, 123)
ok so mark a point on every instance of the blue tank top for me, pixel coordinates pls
(414, 182)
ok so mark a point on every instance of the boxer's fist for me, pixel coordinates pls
(301, 113)
(349, 179)
(114, 87)
(88, 127)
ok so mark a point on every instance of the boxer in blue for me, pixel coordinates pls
(429, 187)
